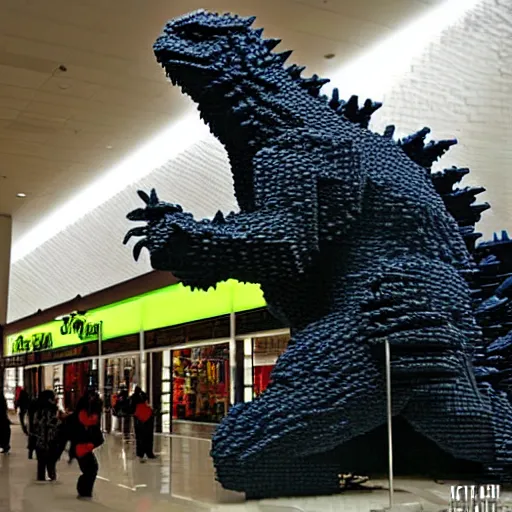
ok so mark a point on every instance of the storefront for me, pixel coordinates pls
(60, 356)
(195, 353)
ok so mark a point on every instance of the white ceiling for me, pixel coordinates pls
(59, 130)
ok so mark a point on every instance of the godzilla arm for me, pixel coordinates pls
(283, 231)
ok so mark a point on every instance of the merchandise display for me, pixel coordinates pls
(78, 377)
(201, 383)
(353, 241)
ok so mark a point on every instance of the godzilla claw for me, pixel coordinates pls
(153, 199)
(137, 248)
(143, 196)
(157, 215)
(140, 231)
(138, 214)
(154, 209)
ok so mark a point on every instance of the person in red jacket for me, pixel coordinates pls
(144, 424)
(82, 429)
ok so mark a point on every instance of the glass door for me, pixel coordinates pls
(10, 386)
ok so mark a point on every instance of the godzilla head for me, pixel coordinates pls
(226, 67)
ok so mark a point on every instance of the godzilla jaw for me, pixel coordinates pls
(177, 65)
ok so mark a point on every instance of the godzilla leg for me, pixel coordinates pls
(326, 389)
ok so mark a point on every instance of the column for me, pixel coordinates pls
(5, 264)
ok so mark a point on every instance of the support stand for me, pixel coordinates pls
(390, 423)
(402, 507)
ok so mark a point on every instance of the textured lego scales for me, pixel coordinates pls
(353, 241)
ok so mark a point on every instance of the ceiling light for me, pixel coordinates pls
(21, 194)
(109, 147)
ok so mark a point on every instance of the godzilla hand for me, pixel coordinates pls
(164, 234)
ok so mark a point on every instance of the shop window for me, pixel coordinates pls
(201, 383)
(121, 374)
(10, 386)
(266, 351)
(54, 380)
(78, 377)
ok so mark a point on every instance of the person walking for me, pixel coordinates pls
(144, 424)
(82, 429)
(46, 430)
(122, 411)
(31, 413)
(5, 426)
(22, 405)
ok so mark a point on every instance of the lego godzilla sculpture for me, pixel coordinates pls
(352, 244)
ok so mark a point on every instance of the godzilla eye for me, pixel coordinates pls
(197, 36)
(194, 32)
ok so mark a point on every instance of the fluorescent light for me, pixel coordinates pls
(374, 73)
(370, 76)
(21, 194)
(173, 141)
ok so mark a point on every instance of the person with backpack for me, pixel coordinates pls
(5, 426)
(144, 424)
(82, 429)
(46, 434)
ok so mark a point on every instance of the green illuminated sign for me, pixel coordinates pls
(31, 343)
(168, 306)
(76, 324)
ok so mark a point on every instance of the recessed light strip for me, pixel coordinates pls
(173, 141)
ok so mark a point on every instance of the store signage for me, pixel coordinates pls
(79, 326)
(72, 330)
(35, 342)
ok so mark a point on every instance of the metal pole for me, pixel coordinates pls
(390, 420)
(101, 375)
(142, 369)
(232, 357)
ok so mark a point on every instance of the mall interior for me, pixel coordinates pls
(87, 118)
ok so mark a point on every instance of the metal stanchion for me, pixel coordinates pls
(390, 422)
(403, 507)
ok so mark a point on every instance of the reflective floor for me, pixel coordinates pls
(181, 480)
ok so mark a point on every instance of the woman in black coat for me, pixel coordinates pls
(46, 434)
(82, 429)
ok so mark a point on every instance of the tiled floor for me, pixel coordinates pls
(181, 480)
